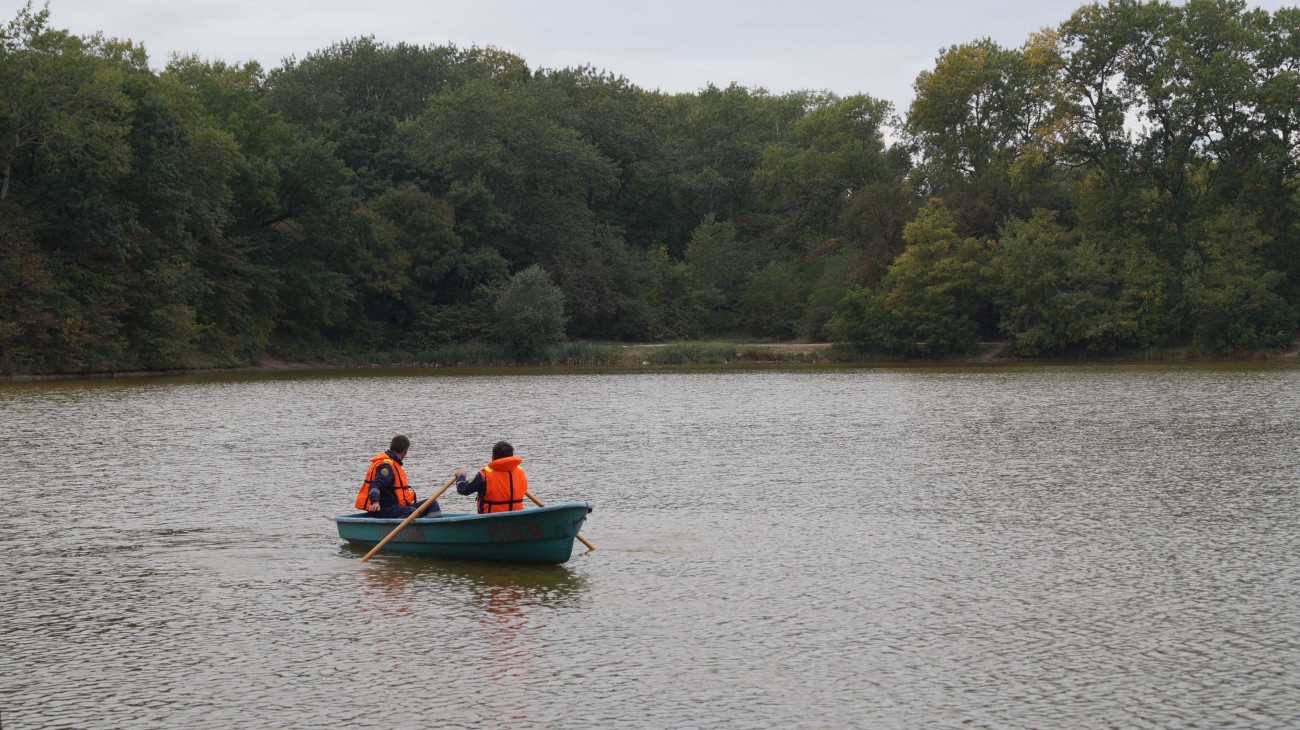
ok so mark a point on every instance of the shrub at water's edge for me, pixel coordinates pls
(480, 354)
(723, 353)
(680, 353)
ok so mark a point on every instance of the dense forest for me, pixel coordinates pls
(1127, 180)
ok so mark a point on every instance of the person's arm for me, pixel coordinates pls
(383, 481)
(472, 486)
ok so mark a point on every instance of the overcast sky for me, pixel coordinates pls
(844, 46)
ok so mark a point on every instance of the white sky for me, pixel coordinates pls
(672, 45)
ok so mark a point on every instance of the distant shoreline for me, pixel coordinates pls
(637, 356)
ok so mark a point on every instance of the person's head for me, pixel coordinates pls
(399, 444)
(502, 449)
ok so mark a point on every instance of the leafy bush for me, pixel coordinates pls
(1059, 292)
(1231, 296)
(930, 301)
(683, 353)
(583, 353)
(529, 311)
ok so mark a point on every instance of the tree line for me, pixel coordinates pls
(1126, 180)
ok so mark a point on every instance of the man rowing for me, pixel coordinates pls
(501, 485)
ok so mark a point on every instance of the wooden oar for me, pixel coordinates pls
(581, 539)
(408, 519)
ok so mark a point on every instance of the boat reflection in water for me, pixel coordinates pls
(496, 584)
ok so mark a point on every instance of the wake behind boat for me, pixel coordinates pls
(541, 535)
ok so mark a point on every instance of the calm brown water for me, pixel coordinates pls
(1090, 546)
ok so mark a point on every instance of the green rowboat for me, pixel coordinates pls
(542, 535)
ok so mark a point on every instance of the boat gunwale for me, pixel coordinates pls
(448, 517)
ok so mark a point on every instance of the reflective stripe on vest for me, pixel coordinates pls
(405, 495)
(501, 492)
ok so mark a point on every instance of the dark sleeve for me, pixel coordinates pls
(473, 486)
(382, 483)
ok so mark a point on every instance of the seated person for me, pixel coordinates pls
(385, 491)
(500, 485)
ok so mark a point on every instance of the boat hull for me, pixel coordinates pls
(542, 535)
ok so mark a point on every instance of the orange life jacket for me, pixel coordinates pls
(505, 485)
(405, 495)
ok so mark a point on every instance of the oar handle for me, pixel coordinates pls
(419, 511)
(581, 539)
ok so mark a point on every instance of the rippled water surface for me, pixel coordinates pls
(1038, 547)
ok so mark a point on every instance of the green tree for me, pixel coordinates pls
(834, 193)
(292, 208)
(423, 225)
(61, 101)
(1058, 293)
(834, 152)
(721, 264)
(34, 326)
(1231, 296)
(830, 283)
(773, 300)
(982, 108)
(529, 312)
(678, 306)
(527, 184)
(175, 201)
(1270, 179)
(616, 118)
(373, 148)
(408, 263)
(359, 76)
(932, 302)
(713, 143)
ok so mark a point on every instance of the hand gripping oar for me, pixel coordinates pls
(408, 519)
(581, 539)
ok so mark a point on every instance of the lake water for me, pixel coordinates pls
(1085, 546)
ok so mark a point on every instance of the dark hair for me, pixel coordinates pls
(502, 450)
(399, 444)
